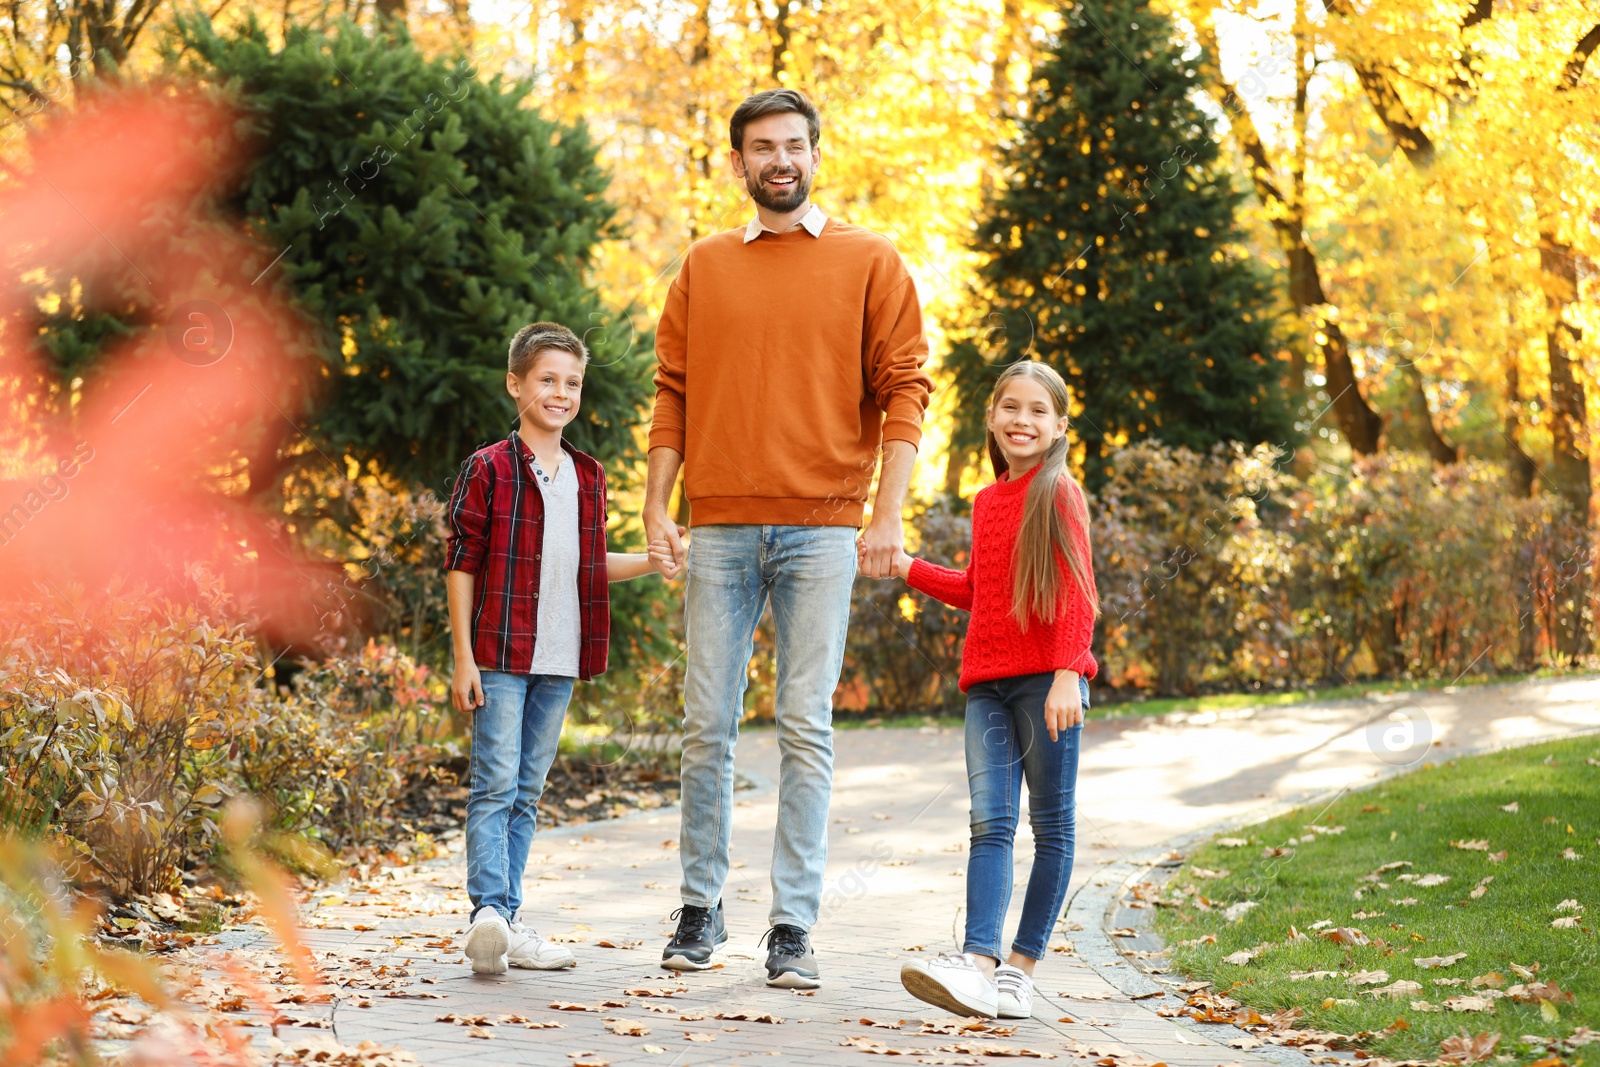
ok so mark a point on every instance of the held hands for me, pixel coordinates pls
(1063, 707)
(466, 686)
(667, 553)
(899, 567)
(879, 549)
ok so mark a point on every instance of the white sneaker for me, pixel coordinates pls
(1016, 992)
(536, 953)
(951, 981)
(487, 940)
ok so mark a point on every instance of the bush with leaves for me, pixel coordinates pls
(128, 719)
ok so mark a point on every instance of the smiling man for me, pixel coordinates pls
(790, 350)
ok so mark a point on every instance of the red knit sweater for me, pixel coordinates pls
(996, 647)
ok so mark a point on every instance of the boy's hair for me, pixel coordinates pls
(773, 102)
(537, 336)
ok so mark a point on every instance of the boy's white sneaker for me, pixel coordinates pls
(1015, 992)
(488, 938)
(951, 981)
(537, 953)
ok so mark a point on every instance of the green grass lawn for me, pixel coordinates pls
(1404, 863)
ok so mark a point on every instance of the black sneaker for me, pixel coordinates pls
(700, 931)
(790, 963)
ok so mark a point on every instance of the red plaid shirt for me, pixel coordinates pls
(496, 521)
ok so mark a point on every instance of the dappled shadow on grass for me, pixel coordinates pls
(1492, 856)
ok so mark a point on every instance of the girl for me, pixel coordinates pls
(1024, 668)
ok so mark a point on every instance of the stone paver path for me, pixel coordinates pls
(895, 889)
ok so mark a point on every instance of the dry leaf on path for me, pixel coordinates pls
(626, 1028)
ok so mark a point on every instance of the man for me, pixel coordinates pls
(789, 350)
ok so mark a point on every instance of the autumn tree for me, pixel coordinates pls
(1111, 252)
(423, 215)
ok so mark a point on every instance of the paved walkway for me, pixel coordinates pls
(895, 889)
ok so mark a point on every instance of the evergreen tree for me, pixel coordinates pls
(426, 214)
(1111, 252)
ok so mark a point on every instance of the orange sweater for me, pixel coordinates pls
(784, 363)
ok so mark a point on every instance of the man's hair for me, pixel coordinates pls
(773, 102)
(537, 336)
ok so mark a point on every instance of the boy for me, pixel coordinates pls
(526, 572)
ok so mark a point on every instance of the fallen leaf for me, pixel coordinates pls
(1466, 1002)
(1395, 990)
(1305, 976)
(1429, 962)
(1232, 842)
(1465, 1049)
(1346, 935)
(1569, 854)
(1569, 905)
(624, 1028)
(699, 1036)
(1566, 922)
(1240, 958)
(1428, 881)
(749, 1017)
(1491, 980)
(1499, 857)
(1423, 1005)
(1369, 978)
(1471, 846)
(1511, 807)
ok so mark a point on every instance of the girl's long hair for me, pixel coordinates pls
(1054, 500)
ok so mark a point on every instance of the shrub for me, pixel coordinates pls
(128, 719)
(904, 651)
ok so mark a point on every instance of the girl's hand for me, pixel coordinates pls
(902, 564)
(1063, 707)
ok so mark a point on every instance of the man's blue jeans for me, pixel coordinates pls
(1007, 742)
(514, 740)
(807, 573)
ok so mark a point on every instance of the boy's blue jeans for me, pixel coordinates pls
(514, 740)
(807, 572)
(1006, 743)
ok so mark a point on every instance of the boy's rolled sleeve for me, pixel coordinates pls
(468, 518)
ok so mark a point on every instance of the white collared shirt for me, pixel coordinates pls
(812, 220)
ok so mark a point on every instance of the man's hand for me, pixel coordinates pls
(1063, 707)
(466, 686)
(880, 545)
(664, 558)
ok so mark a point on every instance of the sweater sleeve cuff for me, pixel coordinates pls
(907, 430)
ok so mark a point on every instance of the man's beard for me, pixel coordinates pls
(782, 203)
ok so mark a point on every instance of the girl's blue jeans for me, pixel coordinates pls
(1006, 743)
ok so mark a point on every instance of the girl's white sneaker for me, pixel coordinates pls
(951, 981)
(488, 938)
(536, 953)
(1015, 991)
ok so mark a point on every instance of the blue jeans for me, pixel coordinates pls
(1007, 742)
(514, 739)
(807, 573)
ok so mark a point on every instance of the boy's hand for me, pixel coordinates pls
(661, 529)
(466, 686)
(667, 562)
(1063, 707)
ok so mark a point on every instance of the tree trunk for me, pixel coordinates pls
(1569, 453)
(1360, 424)
(779, 32)
(1443, 452)
(391, 10)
